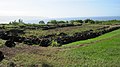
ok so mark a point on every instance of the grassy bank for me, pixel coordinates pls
(103, 37)
(105, 52)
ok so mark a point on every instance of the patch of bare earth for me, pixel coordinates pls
(43, 51)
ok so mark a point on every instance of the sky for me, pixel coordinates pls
(60, 8)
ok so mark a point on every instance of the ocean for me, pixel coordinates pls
(36, 19)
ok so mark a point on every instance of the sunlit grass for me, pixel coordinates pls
(104, 53)
(105, 36)
(67, 30)
(2, 42)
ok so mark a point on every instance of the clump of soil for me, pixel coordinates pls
(1, 56)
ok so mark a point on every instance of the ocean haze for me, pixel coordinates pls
(36, 19)
(104, 18)
(26, 19)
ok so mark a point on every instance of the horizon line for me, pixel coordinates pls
(59, 17)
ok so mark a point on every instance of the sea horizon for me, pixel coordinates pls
(36, 19)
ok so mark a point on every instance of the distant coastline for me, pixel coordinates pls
(35, 19)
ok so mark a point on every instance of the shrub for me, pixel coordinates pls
(54, 43)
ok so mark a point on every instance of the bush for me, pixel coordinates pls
(54, 43)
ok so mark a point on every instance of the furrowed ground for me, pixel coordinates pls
(103, 51)
(67, 30)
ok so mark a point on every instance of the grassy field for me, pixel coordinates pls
(67, 30)
(103, 37)
(103, 51)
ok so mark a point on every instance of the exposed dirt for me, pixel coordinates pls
(11, 52)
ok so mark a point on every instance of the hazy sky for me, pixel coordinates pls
(60, 8)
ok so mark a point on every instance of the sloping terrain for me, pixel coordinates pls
(103, 51)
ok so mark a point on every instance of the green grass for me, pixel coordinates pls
(104, 53)
(105, 36)
(2, 42)
(67, 30)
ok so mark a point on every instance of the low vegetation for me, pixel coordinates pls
(104, 51)
(84, 43)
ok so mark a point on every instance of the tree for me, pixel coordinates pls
(61, 22)
(53, 22)
(10, 22)
(67, 21)
(14, 22)
(41, 22)
(20, 21)
(79, 21)
(87, 20)
(92, 22)
(76, 21)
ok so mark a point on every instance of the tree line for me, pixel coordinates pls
(56, 22)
